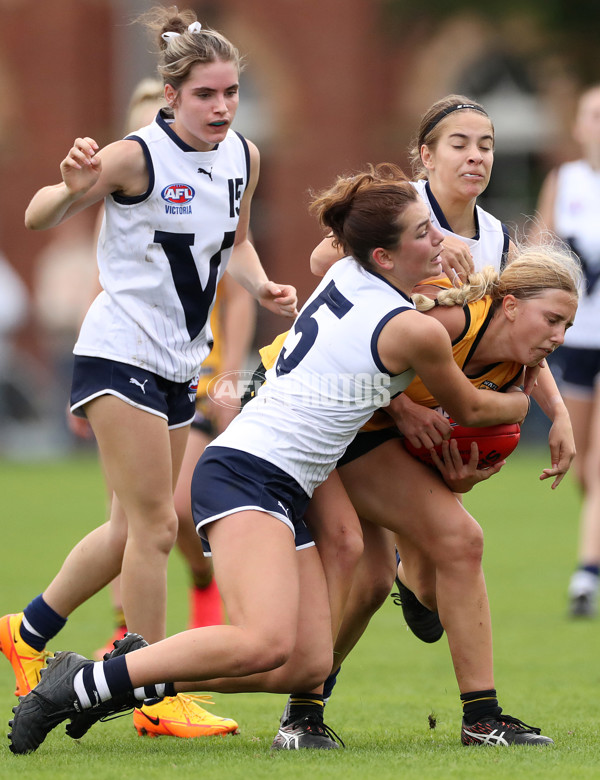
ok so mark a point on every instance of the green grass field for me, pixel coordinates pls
(547, 669)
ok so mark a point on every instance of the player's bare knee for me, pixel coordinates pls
(425, 591)
(464, 546)
(265, 657)
(166, 536)
(350, 546)
(154, 536)
(472, 544)
(341, 548)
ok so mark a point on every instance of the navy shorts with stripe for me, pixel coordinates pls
(227, 481)
(580, 367)
(93, 377)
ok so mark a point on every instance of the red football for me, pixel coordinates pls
(495, 443)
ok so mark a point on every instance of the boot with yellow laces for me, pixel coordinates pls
(181, 716)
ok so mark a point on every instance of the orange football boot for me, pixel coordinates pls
(24, 659)
(181, 716)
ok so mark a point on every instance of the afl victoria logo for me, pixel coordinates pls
(178, 194)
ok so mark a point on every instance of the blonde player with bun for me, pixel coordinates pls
(177, 196)
(498, 324)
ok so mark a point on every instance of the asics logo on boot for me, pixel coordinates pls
(493, 738)
(290, 742)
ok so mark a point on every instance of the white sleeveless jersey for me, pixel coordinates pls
(490, 244)
(576, 221)
(328, 379)
(161, 255)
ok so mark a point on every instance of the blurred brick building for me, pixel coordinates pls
(329, 86)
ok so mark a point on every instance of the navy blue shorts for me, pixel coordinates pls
(227, 481)
(203, 422)
(93, 377)
(365, 441)
(580, 368)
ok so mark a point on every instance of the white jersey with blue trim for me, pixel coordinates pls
(328, 379)
(489, 245)
(576, 210)
(161, 255)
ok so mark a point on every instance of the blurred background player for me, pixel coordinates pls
(569, 204)
(14, 308)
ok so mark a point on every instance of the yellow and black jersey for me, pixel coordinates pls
(497, 376)
(268, 354)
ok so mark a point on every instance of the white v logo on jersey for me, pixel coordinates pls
(133, 381)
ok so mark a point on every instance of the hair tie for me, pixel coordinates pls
(194, 27)
(442, 114)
